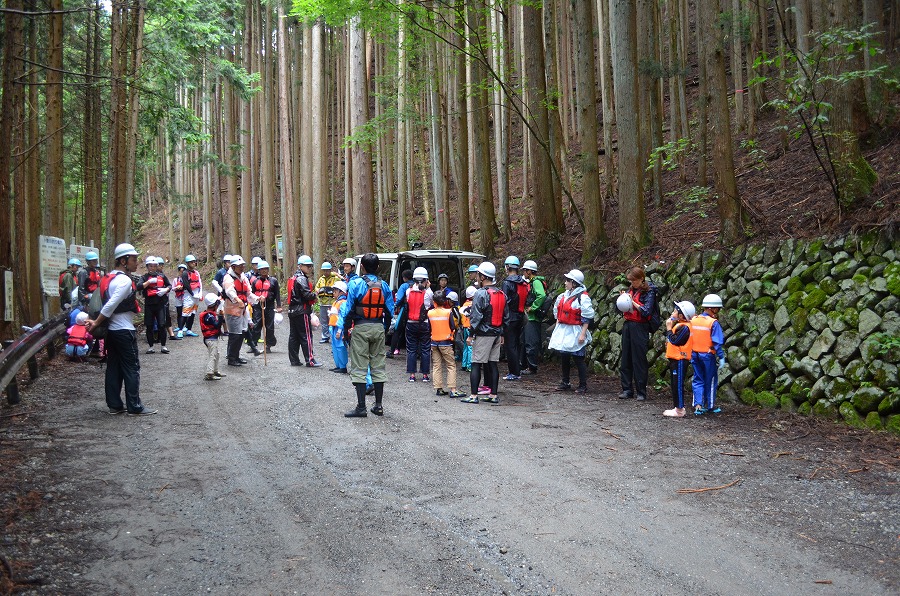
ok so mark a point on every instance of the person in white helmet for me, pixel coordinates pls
(516, 289)
(398, 337)
(348, 269)
(301, 300)
(154, 285)
(324, 291)
(193, 295)
(266, 288)
(488, 316)
(419, 300)
(212, 324)
(707, 345)
(119, 293)
(678, 353)
(535, 308)
(574, 312)
(238, 295)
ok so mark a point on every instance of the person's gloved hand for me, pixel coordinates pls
(722, 364)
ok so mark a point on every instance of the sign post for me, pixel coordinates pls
(8, 311)
(53, 260)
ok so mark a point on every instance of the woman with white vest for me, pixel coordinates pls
(573, 311)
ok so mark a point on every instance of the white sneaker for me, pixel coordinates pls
(674, 413)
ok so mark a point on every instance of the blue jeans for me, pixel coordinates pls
(123, 368)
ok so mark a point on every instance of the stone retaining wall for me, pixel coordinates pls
(810, 326)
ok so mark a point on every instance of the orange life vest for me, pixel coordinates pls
(78, 337)
(371, 305)
(415, 301)
(701, 334)
(680, 352)
(567, 313)
(464, 313)
(333, 318)
(497, 306)
(440, 324)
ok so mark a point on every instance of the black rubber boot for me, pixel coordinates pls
(379, 394)
(360, 410)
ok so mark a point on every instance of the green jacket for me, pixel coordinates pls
(540, 290)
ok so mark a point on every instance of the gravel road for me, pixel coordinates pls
(257, 484)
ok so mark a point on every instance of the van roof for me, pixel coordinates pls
(463, 254)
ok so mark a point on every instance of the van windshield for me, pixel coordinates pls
(435, 267)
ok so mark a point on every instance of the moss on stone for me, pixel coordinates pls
(813, 249)
(825, 409)
(890, 404)
(850, 415)
(764, 303)
(828, 285)
(794, 284)
(805, 408)
(814, 299)
(787, 403)
(873, 421)
(767, 399)
(799, 320)
(794, 299)
(764, 381)
(892, 424)
(748, 396)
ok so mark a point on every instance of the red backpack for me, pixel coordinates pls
(497, 306)
(522, 289)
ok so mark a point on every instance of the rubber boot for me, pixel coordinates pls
(360, 410)
(379, 393)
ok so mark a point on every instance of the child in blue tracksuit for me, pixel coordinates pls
(338, 347)
(707, 341)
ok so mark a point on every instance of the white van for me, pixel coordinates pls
(452, 262)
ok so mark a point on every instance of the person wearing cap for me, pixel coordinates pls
(707, 341)
(574, 312)
(465, 322)
(489, 316)
(678, 353)
(221, 273)
(516, 289)
(338, 345)
(636, 335)
(193, 294)
(170, 333)
(68, 281)
(178, 300)
(398, 336)
(154, 285)
(301, 299)
(266, 288)
(472, 273)
(323, 290)
(211, 325)
(89, 277)
(534, 308)
(368, 305)
(122, 364)
(254, 267)
(348, 269)
(238, 295)
(419, 299)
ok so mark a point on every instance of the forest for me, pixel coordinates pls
(583, 130)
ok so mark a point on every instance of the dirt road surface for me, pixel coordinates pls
(257, 484)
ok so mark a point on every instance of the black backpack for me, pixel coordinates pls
(655, 315)
(541, 314)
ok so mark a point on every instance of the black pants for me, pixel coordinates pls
(531, 353)
(233, 352)
(512, 339)
(399, 336)
(156, 313)
(418, 347)
(122, 368)
(565, 359)
(491, 376)
(633, 371)
(300, 338)
(259, 322)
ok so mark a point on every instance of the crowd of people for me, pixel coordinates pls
(354, 312)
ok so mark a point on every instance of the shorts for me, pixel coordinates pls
(486, 348)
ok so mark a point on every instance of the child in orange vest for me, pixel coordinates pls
(338, 345)
(707, 347)
(466, 360)
(678, 352)
(79, 340)
(443, 326)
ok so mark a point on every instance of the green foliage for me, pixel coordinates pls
(692, 200)
(756, 153)
(669, 155)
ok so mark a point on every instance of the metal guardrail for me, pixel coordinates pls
(19, 352)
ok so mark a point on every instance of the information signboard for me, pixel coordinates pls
(279, 247)
(53, 260)
(77, 251)
(8, 310)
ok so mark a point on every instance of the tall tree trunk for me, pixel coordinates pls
(703, 104)
(737, 64)
(93, 168)
(54, 129)
(481, 143)
(319, 164)
(363, 199)
(606, 94)
(284, 127)
(306, 175)
(554, 99)
(461, 138)
(730, 209)
(31, 193)
(499, 52)
(402, 156)
(632, 220)
(438, 174)
(586, 86)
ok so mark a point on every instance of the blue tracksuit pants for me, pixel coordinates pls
(678, 372)
(338, 350)
(706, 380)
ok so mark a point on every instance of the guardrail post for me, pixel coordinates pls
(12, 390)
(33, 370)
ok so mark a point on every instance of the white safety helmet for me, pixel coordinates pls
(487, 269)
(191, 258)
(237, 260)
(81, 317)
(453, 297)
(182, 266)
(278, 318)
(260, 264)
(255, 261)
(575, 275)
(530, 265)
(686, 308)
(349, 261)
(470, 291)
(711, 301)
(227, 258)
(304, 260)
(124, 250)
(420, 273)
(624, 303)
(150, 260)
(211, 299)
(340, 285)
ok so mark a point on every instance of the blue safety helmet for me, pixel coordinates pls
(92, 256)
(472, 269)
(74, 261)
(511, 261)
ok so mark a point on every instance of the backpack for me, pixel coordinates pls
(371, 304)
(655, 315)
(541, 314)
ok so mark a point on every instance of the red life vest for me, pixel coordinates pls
(78, 337)
(522, 291)
(62, 280)
(241, 288)
(567, 312)
(93, 281)
(371, 305)
(261, 287)
(130, 304)
(209, 324)
(178, 287)
(497, 306)
(194, 280)
(415, 301)
(153, 290)
(635, 314)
